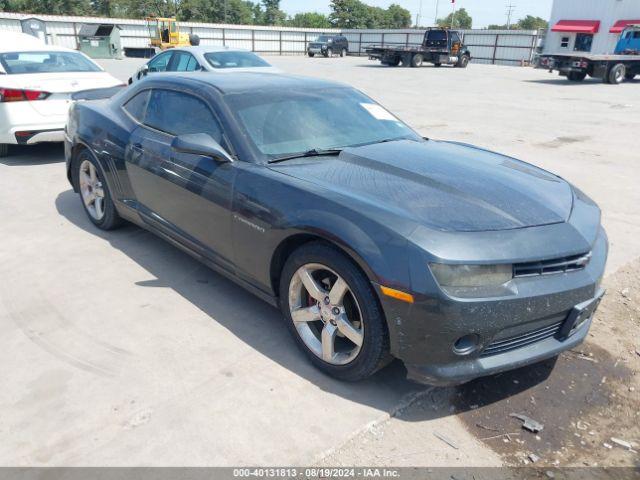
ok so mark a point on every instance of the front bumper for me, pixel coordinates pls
(536, 323)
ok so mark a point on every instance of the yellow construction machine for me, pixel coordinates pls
(164, 33)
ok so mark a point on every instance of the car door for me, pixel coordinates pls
(183, 62)
(186, 196)
(455, 44)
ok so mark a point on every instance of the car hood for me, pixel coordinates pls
(441, 185)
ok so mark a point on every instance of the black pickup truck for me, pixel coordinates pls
(439, 46)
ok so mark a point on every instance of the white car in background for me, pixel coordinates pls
(204, 58)
(36, 83)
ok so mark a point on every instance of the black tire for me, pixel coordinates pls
(416, 60)
(616, 74)
(374, 353)
(463, 61)
(311, 54)
(577, 76)
(194, 39)
(110, 220)
(4, 150)
(393, 61)
(343, 52)
(328, 52)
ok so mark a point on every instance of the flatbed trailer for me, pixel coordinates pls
(613, 69)
(439, 47)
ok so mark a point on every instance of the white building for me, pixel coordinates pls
(589, 25)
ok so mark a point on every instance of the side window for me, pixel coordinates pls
(454, 37)
(160, 62)
(178, 113)
(183, 62)
(137, 105)
(564, 42)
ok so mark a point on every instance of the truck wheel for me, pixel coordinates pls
(437, 64)
(463, 61)
(328, 53)
(4, 149)
(393, 62)
(577, 76)
(311, 54)
(616, 74)
(343, 52)
(416, 60)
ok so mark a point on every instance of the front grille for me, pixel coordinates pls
(522, 340)
(549, 267)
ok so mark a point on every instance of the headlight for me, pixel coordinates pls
(470, 276)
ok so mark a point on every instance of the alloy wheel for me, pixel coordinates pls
(91, 190)
(326, 314)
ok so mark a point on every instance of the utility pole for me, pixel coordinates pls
(453, 14)
(435, 22)
(419, 15)
(510, 9)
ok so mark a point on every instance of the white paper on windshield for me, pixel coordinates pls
(378, 112)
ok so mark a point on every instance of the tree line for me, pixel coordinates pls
(462, 19)
(344, 13)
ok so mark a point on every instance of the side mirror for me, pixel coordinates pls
(200, 144)
(144, 70)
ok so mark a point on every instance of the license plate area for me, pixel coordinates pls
(579, 315)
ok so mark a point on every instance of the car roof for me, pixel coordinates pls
(14, 43)
(210, 48)
(240, 82)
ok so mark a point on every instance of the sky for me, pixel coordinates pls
(483, 12)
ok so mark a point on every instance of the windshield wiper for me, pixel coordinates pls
(315, 152)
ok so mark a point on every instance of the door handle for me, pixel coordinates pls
(136, 151)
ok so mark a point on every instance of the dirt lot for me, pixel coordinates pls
(120, 350)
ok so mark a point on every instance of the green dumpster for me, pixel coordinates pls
(100, 40)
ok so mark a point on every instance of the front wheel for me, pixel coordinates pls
(463, 61)
(311, 54)
(333, 313)
(4, 149)
(94, 193)
(616, 74)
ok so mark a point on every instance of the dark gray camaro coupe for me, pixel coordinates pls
(375, 242)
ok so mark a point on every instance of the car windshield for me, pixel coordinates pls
(284, 123)
(234, 60)
(46, 62)
(323, 38)
(437, 36)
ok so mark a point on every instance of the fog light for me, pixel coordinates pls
(467, 344)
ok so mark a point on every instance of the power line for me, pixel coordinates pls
(510, 9)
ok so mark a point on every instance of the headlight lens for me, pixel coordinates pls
(470, 276)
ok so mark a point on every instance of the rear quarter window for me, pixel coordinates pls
(137, 105)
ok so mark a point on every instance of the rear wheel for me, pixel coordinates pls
(616, 74)
(416, 60)
(94, 192)
(333, 313)
(328, 52)
(392, 62)
(577, 76)
(343, 52)
(4, 149)
(311, 54)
